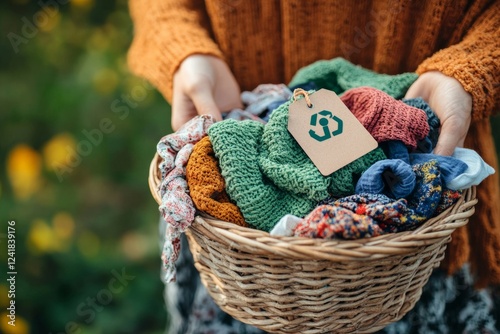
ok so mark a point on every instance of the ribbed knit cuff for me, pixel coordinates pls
(471, 70)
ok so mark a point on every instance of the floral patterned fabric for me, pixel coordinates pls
(176, 205)
(260, 102)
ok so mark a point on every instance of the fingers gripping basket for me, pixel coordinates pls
(301, 285)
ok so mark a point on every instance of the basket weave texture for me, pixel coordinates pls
(302, 285)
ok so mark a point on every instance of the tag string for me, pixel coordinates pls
(299, 91)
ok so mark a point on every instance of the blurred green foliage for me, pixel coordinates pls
(74, 227)
(62, 72)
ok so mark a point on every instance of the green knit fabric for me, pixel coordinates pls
(237, 145)
(284, 162)
(268, 174)
(340, 75)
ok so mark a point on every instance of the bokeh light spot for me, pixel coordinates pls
(41, 237)
(21, 326)
(23, 171)
(53, 17)
(56, 150)
(82, 4)
(134, 245)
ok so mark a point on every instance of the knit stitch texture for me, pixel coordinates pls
(207, 186)
(340, 75)
(432, 119)
(334, 222)
(449, 167)
(386, 118)
(237, 145)
(284, 162)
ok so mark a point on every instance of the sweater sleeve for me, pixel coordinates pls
(165, 33)
(474, 62)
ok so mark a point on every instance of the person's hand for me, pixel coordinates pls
(452, 105)
(203, 85)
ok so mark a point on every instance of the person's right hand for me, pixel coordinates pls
(452, 105)
(203, 85)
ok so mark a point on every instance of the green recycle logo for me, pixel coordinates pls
(324, 121)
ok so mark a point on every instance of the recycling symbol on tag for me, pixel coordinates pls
(327, 131)
(326, 121)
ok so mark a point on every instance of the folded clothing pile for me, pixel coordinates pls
(249, 170)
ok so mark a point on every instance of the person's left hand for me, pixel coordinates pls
(451, 104)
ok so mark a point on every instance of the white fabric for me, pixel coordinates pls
(285, 226)
(476, 172)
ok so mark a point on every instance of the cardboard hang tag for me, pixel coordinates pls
(330, 135)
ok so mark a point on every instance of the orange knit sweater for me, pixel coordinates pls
(267, 41)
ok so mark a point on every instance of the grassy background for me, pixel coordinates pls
(63, 76)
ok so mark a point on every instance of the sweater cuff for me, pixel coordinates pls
(474, 70)
(159, 67)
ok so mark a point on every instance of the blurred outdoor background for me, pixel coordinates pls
(78, 132)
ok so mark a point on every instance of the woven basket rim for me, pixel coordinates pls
(261, 242)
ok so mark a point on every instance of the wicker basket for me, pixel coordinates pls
(302, 285)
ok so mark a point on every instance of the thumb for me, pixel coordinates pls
(448, 139)
(420, 88)
(204, 102)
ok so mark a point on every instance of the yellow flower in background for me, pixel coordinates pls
(105, 81)
(41, 238)
(56, 151)
(23, 171)
(63, 225)
(21, 327)
(82, 4)
(49, 18)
